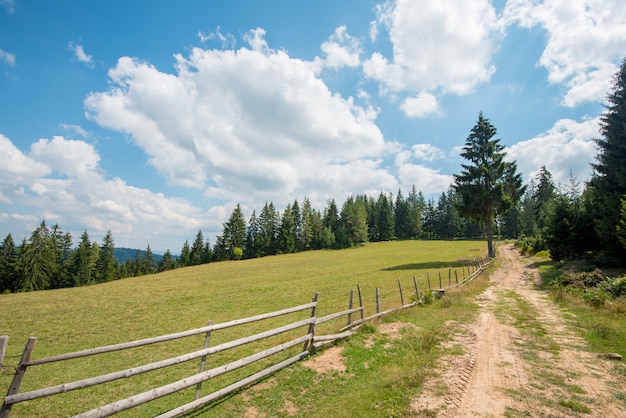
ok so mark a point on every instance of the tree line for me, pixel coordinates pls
(48, 259)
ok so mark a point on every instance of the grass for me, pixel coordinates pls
(603, 327)
(73, 319)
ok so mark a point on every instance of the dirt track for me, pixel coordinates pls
(520, 358)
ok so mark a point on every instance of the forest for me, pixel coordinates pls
(487, 198)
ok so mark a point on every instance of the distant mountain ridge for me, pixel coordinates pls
(122, 255)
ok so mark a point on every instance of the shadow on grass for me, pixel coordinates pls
(548, 272)
(429, 265)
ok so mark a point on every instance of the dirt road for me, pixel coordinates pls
(521, 358)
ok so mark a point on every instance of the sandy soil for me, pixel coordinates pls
(500, 373)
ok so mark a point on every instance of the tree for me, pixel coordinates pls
(608, 182)
(148, 266)
(82, 264)
(354, 221)
(106, 269)
(234, 233)
(185, 255)
(195, 254)
(268, 229)
(489, 186)
(402, 214)
(166, 263)
(287, 232)
(9, 274)
(38, 260)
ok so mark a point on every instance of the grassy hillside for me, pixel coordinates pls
(72, 319)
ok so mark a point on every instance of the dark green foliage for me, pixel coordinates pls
(106, 267)
(489, 186)
(608, 184)
(9, 274)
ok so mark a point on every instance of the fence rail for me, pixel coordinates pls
(309, 341)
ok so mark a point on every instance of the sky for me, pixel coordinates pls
(153, 119)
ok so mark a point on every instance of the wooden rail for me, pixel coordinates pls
(309, 341)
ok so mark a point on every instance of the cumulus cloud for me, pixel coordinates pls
(17, 168)
(341, 50)
(252, 122)
(443, 45)
(424, 104)
(426, 179)
(567, 146)
(427, 152)
(68, 157)
(80, 54)
(585, 42)
(84, 199)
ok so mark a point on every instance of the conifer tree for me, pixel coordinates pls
(488, 186)
(107, 264)
(608, 183)
(9, 274)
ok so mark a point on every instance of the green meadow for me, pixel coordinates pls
(73, 319)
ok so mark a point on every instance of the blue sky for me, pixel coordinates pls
(152, 119)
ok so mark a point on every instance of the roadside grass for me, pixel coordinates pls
(80, 318)
(603, 327)
(382, 375)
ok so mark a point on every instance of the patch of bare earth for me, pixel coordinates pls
(498, 373)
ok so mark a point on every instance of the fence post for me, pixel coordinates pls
(377, 300)
(401, 296)
(417, 293)
(4, 342)
(456, 277)
(428, 277)
(207, 337)
(358, 288)
(20, 370)
(440, 286)
(350, 304)
(309, 344)
(449, 277)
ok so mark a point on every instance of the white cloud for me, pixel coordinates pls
(428, 180)
(568, 145)
(227, 41)
(443, 45)
(424, 104)
(252, 123)
(6, 57)
(341, 50)
(80, 54)
(75, 129)
(68, 157)
(585, 42)
(427, 152)
(17, 168)
(85, 199)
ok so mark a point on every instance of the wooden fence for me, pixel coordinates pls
(308, 340)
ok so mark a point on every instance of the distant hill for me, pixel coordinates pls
(124, 254)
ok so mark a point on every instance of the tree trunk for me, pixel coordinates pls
(489, 226)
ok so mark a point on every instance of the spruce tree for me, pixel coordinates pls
(608, 183)
(106, 269)
(488, 186)
(9, 274)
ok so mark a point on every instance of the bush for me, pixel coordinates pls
(615, 286)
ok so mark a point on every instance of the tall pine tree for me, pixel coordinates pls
(608, 183)
(488, 186)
